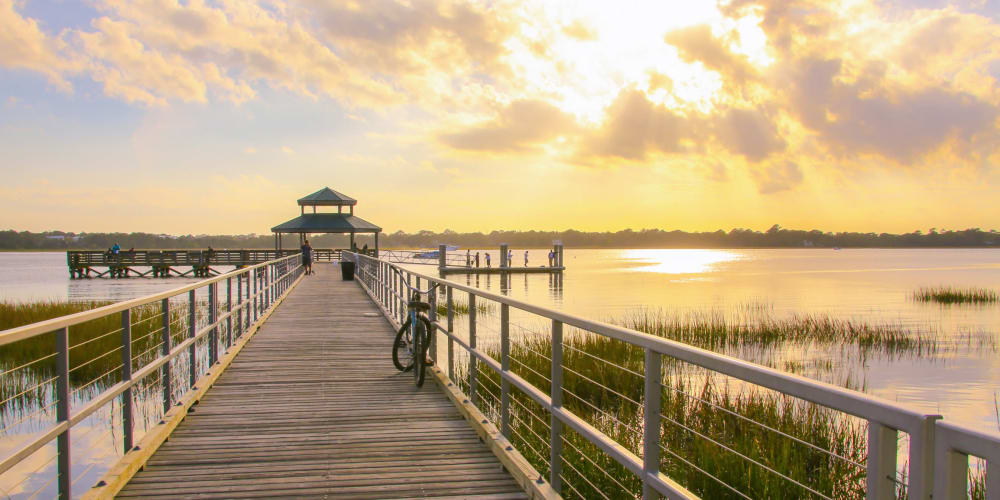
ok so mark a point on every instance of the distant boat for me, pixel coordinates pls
(434, 254)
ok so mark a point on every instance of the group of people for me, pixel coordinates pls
(471, 260)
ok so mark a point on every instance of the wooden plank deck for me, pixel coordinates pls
(313, 407)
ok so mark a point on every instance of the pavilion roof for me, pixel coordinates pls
(326, 223)
(327, 197)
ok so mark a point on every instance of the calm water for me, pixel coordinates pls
(961, 380)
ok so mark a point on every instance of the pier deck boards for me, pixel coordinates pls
(313, 407)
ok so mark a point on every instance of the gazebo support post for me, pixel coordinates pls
(376, 244)
(352, 241)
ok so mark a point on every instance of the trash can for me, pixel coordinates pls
(347, 270)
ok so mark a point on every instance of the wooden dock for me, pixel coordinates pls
(167, 263)
(312, 406)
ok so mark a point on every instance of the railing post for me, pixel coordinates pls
(240, 306)
(555, 425)
(165, 351)
(62, 413)
(920, 479)
(192, 327)
(651, 423)
(433, 316)
(256, 297)
(267, 286)
(451, 331)
(473, 362)
(229, 311)
(504, 368)
(126, 376)
(881, 461)
(213, 316)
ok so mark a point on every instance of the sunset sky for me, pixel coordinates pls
(207, 116)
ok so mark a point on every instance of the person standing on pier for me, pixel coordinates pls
(550, 257)
(468, 258)
(307, 258)
(510, 258)
(525, 258)
(477, 259)
(488, 259)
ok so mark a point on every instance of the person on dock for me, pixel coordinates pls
(551, 256)
(115, 249)
(487, 259)
(510, 258)
(364, 250)
(307, 258)
(525, 258)
(468, 258)
(477, 259)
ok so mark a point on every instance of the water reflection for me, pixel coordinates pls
(676, 261)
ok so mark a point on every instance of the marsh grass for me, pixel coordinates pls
(462, 308)
(28, 366)
(604, 386)
(758, 327)
(954, 295)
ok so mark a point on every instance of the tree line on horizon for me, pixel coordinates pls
(775, 237)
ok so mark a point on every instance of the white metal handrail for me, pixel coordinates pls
(885, 418)
(265, 283)
(953, 446)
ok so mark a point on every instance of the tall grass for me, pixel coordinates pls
(954, 295)
(462, 308)
(28, 366)
(603, 385)
(757, 327)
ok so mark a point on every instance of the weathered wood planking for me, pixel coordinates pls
(313, 407)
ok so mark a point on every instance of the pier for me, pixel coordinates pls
(265, 382)
(167, 263)
(281, 385)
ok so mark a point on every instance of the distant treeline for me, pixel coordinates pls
(776, 236)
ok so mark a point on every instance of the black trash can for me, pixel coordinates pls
(347, 270)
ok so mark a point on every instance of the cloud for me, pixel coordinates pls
(287, 150)
(776, 177)
(580, 30)
(749, 132)
(872, 115)
(23, 45)
(518, 127)
(698, 44)
(635, 126)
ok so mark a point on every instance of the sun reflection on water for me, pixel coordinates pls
(678, 261)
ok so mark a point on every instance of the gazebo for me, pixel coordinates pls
(315, 222)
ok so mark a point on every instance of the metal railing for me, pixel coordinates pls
(927, 470)
(219, 323)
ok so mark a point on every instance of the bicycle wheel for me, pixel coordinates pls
(402, 348)
(420, 341)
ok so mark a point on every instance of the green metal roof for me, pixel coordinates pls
(326, 223)
(327, 197)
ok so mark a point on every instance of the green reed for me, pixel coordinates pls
(758, 327)
(954, 295)
(604, 386)
(94, 354)
(462, 308)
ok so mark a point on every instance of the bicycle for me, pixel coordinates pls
(409, 349)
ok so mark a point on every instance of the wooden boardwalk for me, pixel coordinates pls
(313, 407)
